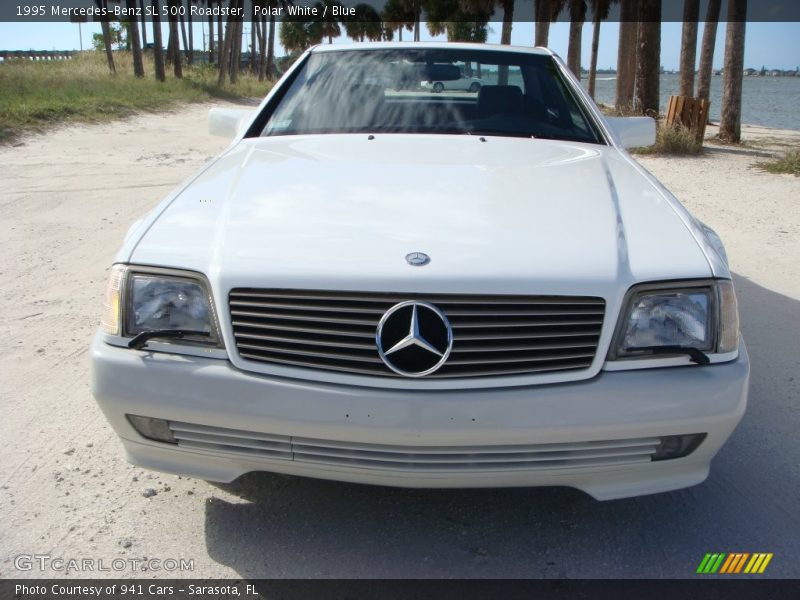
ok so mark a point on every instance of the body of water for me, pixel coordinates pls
(768, 101)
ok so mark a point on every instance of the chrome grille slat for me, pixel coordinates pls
(492, 335)
(489, 325)
(392, 298)
(282, 327)
(515, 359)
(332, 355)
(265, 315)
(309, 342)
(516, 348)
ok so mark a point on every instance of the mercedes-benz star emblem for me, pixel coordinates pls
(418, 259)
(414, 338)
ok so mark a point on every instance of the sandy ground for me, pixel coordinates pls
(66, 201)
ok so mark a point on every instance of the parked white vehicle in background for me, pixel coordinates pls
(410, 289)
(462, 84)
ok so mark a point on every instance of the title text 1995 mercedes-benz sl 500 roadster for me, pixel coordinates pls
(380, 283)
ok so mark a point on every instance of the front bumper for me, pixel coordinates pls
(623, 407)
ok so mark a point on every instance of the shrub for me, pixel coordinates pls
(675, 140)
(789, 163)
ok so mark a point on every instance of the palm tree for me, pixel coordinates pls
(158, 51)
(542, 18)
(210, 32)
(730, 125)
(648, 59)
(329, 23)
(577, 16)
(269, 68)
(298, 33)
(600, 10)
(707, 49)
(365, 24)
(106, 28)
(174, 50)
(144, 24)
(508, 20)
(399, 14)
(190, 49)
(626, 55)
(136, 45)
(691, 13)
(461, 21)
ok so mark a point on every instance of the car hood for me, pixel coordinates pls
(495, 215)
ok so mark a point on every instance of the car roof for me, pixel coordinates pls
(428, 46)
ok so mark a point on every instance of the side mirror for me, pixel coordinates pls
(634, 132)
(228, 122)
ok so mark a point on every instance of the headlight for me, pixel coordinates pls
(145, 300)
(700, 315)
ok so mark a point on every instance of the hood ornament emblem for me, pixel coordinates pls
(414, 338)
(418, 259)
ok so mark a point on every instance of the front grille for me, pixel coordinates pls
(492, 335)
(256, 446)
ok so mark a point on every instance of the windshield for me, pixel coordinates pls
(481, 92)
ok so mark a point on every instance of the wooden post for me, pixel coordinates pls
(690, 112)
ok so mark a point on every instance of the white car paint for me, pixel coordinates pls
(502, 216)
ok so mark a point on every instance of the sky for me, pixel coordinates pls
(774, 45)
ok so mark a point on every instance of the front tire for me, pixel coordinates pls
(438, 87)
(475, 87)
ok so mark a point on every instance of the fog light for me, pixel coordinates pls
(677, 446)
(153, 429)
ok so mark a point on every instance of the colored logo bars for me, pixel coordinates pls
(736, 562)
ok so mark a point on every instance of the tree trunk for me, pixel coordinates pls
(144, 24)
(648, 65)
(691, 12)
(225, 52)
(106, 28)
(626, 55)
(170, 44)
(236, 54)
(542, 16)
(508, 22)
(220, 39)
(253, 29)
(262, 48)
(417, 18)
(271, 48)
(177, 63)
(707, 50)
(730, 125)
(158, 51)
(136, 44)
(190, 47)
(577, 12)
(593, 60)
(210, 34)
(183, 32)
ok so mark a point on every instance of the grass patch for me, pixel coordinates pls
(38, 94)
(673, 140)
(789, 163)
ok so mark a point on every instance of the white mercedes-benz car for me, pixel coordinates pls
(414, 289)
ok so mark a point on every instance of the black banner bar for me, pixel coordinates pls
(701, 588)
(37, 11)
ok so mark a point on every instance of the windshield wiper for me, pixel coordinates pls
(696, 356)
(140, 340)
